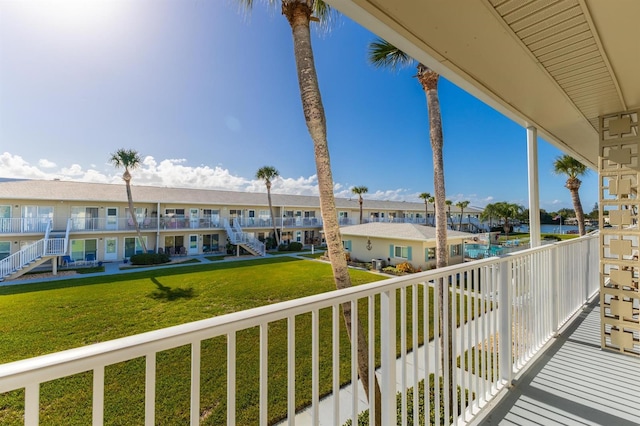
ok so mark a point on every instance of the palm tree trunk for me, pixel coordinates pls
(360, 210)
(298, 15)
(429, 80)
(577, 206)
(273, 218)
(132, 213)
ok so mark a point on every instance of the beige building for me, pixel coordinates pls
(91, 221)
(395, 243)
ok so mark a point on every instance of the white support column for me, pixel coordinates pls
(534, 197)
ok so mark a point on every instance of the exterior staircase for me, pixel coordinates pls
(240, 238)
(34, 255)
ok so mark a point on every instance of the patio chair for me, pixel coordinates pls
(67, 261)
(90, 259)
(183, 251)
(160, 250)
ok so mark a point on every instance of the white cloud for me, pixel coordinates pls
(16, 166)
(176, 172)
(46, 164)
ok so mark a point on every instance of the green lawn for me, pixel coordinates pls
(36, 319)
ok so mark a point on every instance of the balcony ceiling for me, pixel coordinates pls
(553, 64)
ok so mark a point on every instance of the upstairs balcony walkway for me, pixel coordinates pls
(574, 382)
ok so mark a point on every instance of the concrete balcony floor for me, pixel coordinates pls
(574, 382)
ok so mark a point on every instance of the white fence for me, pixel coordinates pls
(543, 287)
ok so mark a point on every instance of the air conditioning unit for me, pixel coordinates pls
(377, 264)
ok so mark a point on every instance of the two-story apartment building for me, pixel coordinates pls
(95, 217)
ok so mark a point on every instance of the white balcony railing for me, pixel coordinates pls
(523, 297)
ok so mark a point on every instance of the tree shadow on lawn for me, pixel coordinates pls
(161, 271)
(169, 294)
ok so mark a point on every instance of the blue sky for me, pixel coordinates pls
(208, 95)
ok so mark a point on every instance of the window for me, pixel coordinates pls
(81, 248)
(5, 249)
(346, 244)
(210, 243)
(132, 246)
(430, 253)
(455, 250)
(400, 252)
(170, 212)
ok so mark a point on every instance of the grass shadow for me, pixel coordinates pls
(169, 294)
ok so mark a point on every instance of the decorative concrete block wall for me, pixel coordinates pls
(619, 173)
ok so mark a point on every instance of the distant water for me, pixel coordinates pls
(549, 229)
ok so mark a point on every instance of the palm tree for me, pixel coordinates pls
(432, 200)
(130, 160)
(461, 205)
(268, 174)
(425, 196)
(449, 203)
(489, 213)
(566, 165)
(383, 54)
(299, 14)
(507, 211)
(359, 190)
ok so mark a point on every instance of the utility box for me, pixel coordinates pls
(377, 264)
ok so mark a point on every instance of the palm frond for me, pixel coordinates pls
(326, 16)
(569, 166)
(383, 54)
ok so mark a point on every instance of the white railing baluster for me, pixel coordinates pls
(32, 404)
(437, 336)
(403, 355)
(388, 355)
(455, 283)
(414, 332)
(231, 378)
(195, 383)
(354, 361)
(427, 348)
(446, 332)
(372, 358)
(335, 338)
(150, 390)
(315, 367)
(97, 413)
(291, 370)
(264, 374)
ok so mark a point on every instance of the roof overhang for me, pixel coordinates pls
(556, 65)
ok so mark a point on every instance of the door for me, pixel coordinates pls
(194, 218)
(91, 215)
(110, 249)
(5, 219)
(193, 244)
(112, 218)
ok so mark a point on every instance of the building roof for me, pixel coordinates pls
(399, 231)
(100, 192)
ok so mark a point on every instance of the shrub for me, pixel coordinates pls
(150, 258)
(390, 270)
(405, 267)
(294, 246)
(363, 418)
